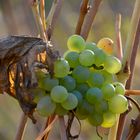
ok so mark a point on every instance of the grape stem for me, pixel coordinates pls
(132, 92)
(118, 36)
(83, 11)
(52, 17)
(21, 127)
(90, 18)
(62, 128)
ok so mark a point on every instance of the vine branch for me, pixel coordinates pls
(90, 18)
(83, 11)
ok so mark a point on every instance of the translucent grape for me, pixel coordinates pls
(48, 83)
(106, 44)
(108, 91)
(100, 57)
(68, 82)
(95, 119)
(70, 103)
(61, 68)
(119, 88)
(46, 106)
(72, 58)
(87, 58)
(76, 43)
(118, 104)
(59, 94)
(94, 95)
(81, 74)
(109, 119)
(95, 79)
(112, 64)
(60, 110)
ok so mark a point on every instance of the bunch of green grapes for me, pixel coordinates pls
(83, 81)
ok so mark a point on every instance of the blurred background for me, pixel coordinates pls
(16, 18)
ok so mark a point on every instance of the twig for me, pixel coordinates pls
(132, 32)
(38, 19)
(134, 53)
(118, 36)
(83, 12)
(62, 128)
(41, 135)
(42, 13)
(52, 17)
(132, 92)
(21, 127)
(132, 36)
(90, 18)
(134, 128)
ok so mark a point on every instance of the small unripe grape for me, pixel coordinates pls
(61, 68)
(108, 91)
(91, 46)
(73, 58)
(76, 43)
(46, 106)
(109, 119)
(112, 64)
(119, 88)
(59, 94)
(87, 58)
(94, 95)
(106, 44)
(79, 96)
(71, 102)
(60, 110)
(82, 88)
(81, 74)
(118, 104)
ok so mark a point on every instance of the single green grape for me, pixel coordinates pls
(108, 91)
(72, 58)
(76, 43)
(59, 94)
(101, 106)
(87, 58)
(109, 119)
(68, 82)
(84, 110)
(118, 104)
(60, 110)
(119, 88)
(79, 96)
(47, 83)
(82, 88)
(70, 103)
(45, 106)
(40, 74)
(94, 95)
(112, 64)
(95, 79)
(81, 74)
(61, 68)
(95, 119)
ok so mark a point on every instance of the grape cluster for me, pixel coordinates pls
(84, 81)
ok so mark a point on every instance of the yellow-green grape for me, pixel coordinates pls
(40, 74)
(91, 46)
(109, 119)
(119, 88)
(118, 104)
(61, 68)
(60, 110)
(112, 64)
(76, 43)
(106, 44)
